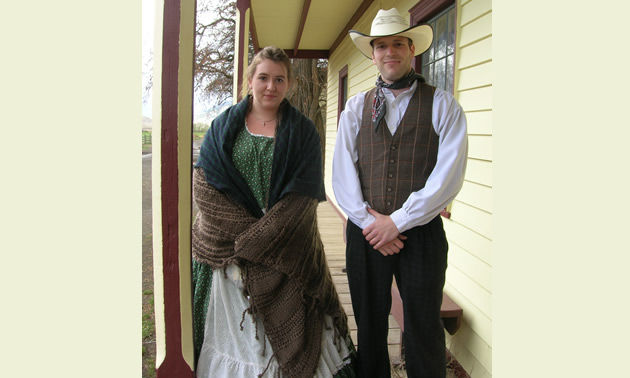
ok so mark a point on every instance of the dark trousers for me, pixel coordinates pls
(419, 269)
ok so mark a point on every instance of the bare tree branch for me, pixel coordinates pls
(214, 55)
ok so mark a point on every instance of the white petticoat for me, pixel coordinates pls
(228, 352)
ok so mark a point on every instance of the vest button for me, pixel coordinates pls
(389, 189)
(390, 175)
(389, 203)
(392, 161)
(393, 147)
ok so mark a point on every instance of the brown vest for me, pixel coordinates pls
(392, 167)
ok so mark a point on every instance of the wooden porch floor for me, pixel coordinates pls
(331, 230)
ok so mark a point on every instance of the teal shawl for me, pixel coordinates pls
(297, 159)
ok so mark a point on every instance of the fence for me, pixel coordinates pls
(146, 138)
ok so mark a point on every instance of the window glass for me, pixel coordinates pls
(450, 49)
(427, 72)
(440, 73)
(429, 53)
(440, 37)
(425, 57)
(438, 62)
(449, 74)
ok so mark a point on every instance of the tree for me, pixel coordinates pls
(214, 53)
(308, 92)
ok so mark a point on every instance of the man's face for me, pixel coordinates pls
(392, 56)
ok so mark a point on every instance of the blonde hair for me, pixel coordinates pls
(272, 53)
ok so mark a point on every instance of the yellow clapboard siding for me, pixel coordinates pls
(475, 269)
(475, 31)
(332, 92)
(480, 373)
(363, 80)
(469, 288)
(475, 76)
(331, 121)
(472, 318)
(475, 219)
(460, 345)
(466, 359)
(483, 354)
(476, 99)
(479, 196)
(479, 123)
(474, 243)
(480, 147)
(331, 117)
(474, 9)
(332, 124)
(479, 171)
(475, 54)
(480, 310)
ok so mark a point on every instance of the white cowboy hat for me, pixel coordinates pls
(388, 23)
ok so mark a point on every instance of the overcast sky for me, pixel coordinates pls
(148, 16)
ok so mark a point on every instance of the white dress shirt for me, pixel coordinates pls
(445, 181)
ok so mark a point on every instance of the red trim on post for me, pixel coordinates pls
(174, 364)
(242, 6)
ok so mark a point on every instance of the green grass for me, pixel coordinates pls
(148, 335)
(148, 323)
(148, 326)
(146, 147)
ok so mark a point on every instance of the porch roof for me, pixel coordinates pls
(304, 28)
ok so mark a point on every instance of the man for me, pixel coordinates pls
(399, 160)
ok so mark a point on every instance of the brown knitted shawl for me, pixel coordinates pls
(285, 272)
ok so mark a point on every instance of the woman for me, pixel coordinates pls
(264, 301)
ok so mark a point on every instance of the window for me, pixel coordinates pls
(342, 95)
(437, 63)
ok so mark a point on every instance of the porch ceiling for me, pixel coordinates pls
(304, 28)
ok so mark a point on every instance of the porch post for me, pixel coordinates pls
(171, 185)
(241, 43)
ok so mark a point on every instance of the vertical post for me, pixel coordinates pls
(171, 185)
(241, 44)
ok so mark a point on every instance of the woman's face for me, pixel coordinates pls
(269, 84)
